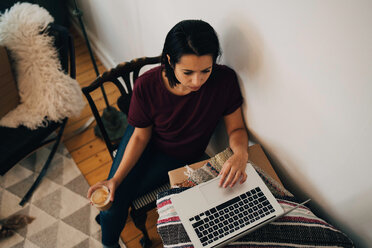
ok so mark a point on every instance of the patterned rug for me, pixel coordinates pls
(63, 215)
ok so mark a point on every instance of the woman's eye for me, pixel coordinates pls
(190, 72)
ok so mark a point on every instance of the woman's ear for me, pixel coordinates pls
(168, 57)
(169, 61)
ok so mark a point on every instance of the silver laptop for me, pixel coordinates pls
(214, 216)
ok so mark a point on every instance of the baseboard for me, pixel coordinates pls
(97, 47)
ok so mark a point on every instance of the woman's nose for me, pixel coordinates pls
(197, 80)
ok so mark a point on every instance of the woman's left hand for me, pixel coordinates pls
(233, 170)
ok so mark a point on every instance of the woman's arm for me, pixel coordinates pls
(234, 167)
(136, 145)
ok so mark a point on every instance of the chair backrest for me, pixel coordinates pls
(64, 44)
(126, 72)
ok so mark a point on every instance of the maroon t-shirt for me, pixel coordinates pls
(183, 125)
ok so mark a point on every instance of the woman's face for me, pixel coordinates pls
(192, 72)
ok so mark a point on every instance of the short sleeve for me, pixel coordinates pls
(139, 110)
(234, 97)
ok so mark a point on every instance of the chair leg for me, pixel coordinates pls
(46, 165)
(139, 219)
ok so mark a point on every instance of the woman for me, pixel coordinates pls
(173, 112)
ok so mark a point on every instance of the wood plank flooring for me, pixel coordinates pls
(89, 152)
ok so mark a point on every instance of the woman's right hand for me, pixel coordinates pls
(110, 184)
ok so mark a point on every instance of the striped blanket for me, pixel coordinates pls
(299, 228)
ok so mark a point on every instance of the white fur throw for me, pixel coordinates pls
(44, 90)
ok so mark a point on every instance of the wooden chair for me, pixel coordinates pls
(18, 143)
(126, 72)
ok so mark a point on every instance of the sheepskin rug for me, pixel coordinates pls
(46, 93)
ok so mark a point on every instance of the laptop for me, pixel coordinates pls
(214, 216)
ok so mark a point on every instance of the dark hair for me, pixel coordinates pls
(188, 37)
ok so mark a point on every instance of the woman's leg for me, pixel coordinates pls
(150, 171)
(105, 216)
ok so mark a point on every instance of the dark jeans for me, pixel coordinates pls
(150, 171)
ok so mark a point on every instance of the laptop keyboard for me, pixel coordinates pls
(231, 216)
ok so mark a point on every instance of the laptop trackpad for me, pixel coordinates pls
(213, 193)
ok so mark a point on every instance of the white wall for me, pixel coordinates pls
(305, 69)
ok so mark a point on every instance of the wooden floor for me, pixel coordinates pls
(89, 152)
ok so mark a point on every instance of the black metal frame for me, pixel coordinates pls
(128, 71)
(47, 163)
